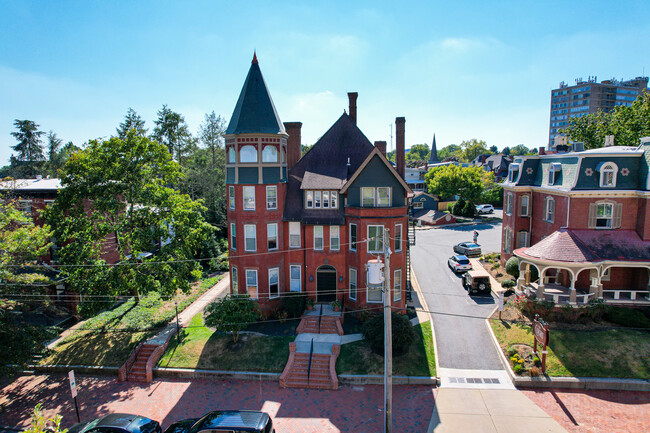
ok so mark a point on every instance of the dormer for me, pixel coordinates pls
(608, 171)
(513, 172)
(554, 170)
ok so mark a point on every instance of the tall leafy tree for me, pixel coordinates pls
(520, 150)
(470, 149)
(172, 131)
(132, 120)
(452, 150)
(494, 149)
(418, 152)
(30, 146)
(451, 180)
(211, 134)
(116, 205)
(53, 155)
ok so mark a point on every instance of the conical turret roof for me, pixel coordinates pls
(434, 152)
(255, 112)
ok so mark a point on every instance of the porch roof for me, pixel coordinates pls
(561, 246)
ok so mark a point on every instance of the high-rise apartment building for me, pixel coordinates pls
(587, 97)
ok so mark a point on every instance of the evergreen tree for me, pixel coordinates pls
(211, 134)
(171, 130)
(132, 120)
(30, 145)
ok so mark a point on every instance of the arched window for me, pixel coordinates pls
(549, 209)
(270, 154)
(507, 240)
(248, 154)
(608, 172)
(231, 155)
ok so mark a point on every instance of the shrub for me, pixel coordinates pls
(458, 207)
(512, 266)
(627, 317)
(508, 284)
(595, 309)
(537, 361)
(511, 351)
(41, 424)
(450, 207)
(282, 316)
(518, 369)
(403, 333)
(496, 265)
(232, 314)
(469, 210)
(294, 303)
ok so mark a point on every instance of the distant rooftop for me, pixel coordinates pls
(31, 184)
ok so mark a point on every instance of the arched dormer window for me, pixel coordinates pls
(608, 171)
(248, 154)
(270, 154)
(231, 155)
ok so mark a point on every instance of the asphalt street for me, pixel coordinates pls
(462, 339)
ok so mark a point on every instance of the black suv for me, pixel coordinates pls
(477, 281)
(225, 421)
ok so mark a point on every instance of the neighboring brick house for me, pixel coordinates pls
(310, 224)
(582, 219)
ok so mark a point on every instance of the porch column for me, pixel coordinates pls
(593, 288)
(572, 291)
(523, 279)
(540, 286)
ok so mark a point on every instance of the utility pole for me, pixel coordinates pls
(388, 339)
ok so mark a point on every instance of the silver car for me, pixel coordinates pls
(469, 249)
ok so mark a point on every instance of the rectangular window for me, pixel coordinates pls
(26, 206)
(231, 196)
(383, 196)
(326, 199)
(334, 238)
(233, 237)
(367, 197)
(375, 239)
(549, 209)
(250, 237)
(606, 275)
(235, 281)
(272, 236)
(353, 284)
(271, 197)
(274, 283)
(251, 283)
(509, 204)
(398, 237)
(375, 294)
(249, 197)
(317, 195)
(604, 216)
(294, 234)
(522, 239)
(397, 285)
(507, 238)
(294, 278)
(309, 199)
(318, 237)
(353, 237)
(418, 205)
(523, 205)
(334, 199)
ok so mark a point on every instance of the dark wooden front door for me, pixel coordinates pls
(325, 285)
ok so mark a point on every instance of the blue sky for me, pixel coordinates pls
(460, 69)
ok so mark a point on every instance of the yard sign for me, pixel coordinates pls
(541, 333)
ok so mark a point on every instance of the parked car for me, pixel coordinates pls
(226, 421)
(468, 249)
(477, 282)
(484, 208)
(459, 263)
(118, 423)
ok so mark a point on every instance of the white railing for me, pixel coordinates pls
(633, 293)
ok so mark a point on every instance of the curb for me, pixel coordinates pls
(418, 290)
(377, 379)
(189, 373)
(82, 369)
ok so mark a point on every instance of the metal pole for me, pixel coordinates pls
(388, 339)
(76, 406)
(178, 326)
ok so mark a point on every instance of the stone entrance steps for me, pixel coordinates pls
(138, 372)
(310, 370)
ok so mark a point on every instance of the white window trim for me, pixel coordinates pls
(257, 283)
(278, 294)
(337, 237)
(509, 206)
(291, 245)
(353, 245)
(334, 199)
(418, 205)
(608, 167)
(369, 240)
(248, 162)
(368, 301)
(318, 202)
(231, 197)
(322, 237)
(514, 167)
(307, 205)
(519, 233)
(398, 245)
(612, 206)
(277, 236)
(244, 189)
(271, 188)
(356, 283)
(547, 200)
(274, 149)
(373, 196)
(607, 274)
(299, 267)
(397, 295)
(254, 237)
(390, 196)
(507, 240)
(521, 201)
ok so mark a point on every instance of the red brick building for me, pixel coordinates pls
(310, 224)
(582, 220)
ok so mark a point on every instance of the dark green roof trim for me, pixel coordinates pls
(255, 112)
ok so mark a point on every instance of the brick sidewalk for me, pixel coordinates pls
(350, 409)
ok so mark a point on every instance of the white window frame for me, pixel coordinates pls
(335, 239)
(232, 155)
(320, 229)
(352, 283)
(243, 154)
(397, 285)
(609, 220)
(353, 243)
(553, 170)
(246, 237)
(418, 205)
(248, 203)
(233, 236)
(390, 196)
(257, 292)
(234, 280)
(271, 205)
(513, 172)
(334, 195)
(398, 237)
(526, 236)
(370, 290)
(277, 272)
(549, 215)
(309, 199)
(293, 282)
(507, 240)
(372, 194)
(607, 274)
(326, 199)
(270, 226)
(231, 197)
(509, 200)
(317, 199)
(608, 168)
(293, 225)
(524, 198)
(274, 153)
(378, 242)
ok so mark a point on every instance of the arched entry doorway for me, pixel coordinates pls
(326, 284)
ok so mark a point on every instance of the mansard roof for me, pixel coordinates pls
(255, 112)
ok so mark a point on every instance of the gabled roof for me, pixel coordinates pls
(255, 112)
(376, 152)
(419, 193)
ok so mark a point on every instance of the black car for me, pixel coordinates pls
(477, 282)
(118, 423)
(225, 421)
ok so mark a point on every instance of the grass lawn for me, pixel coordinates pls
(108, 338)
(357, 358)
(202, 348)
(620, 352)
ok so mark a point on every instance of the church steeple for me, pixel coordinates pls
(433, 159)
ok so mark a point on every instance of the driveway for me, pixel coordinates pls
(462, 339)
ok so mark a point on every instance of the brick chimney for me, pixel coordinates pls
(542, 150)
(352, 97)
(399, 145)
(381, 145)
(294, 148)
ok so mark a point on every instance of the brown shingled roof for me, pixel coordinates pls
(561, 246)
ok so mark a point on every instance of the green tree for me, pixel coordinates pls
(418, 152)
(506, 151)
(305, 148)
(449, 151)
(391, 155)
(172, 131)
(117, 199)
(470, 149)
(132, 120)
(494, 149)
(232, 314)
(211, 134)
(30, 145)
(519, 150)
(451, 180)
(41, 424)
(53, 150)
